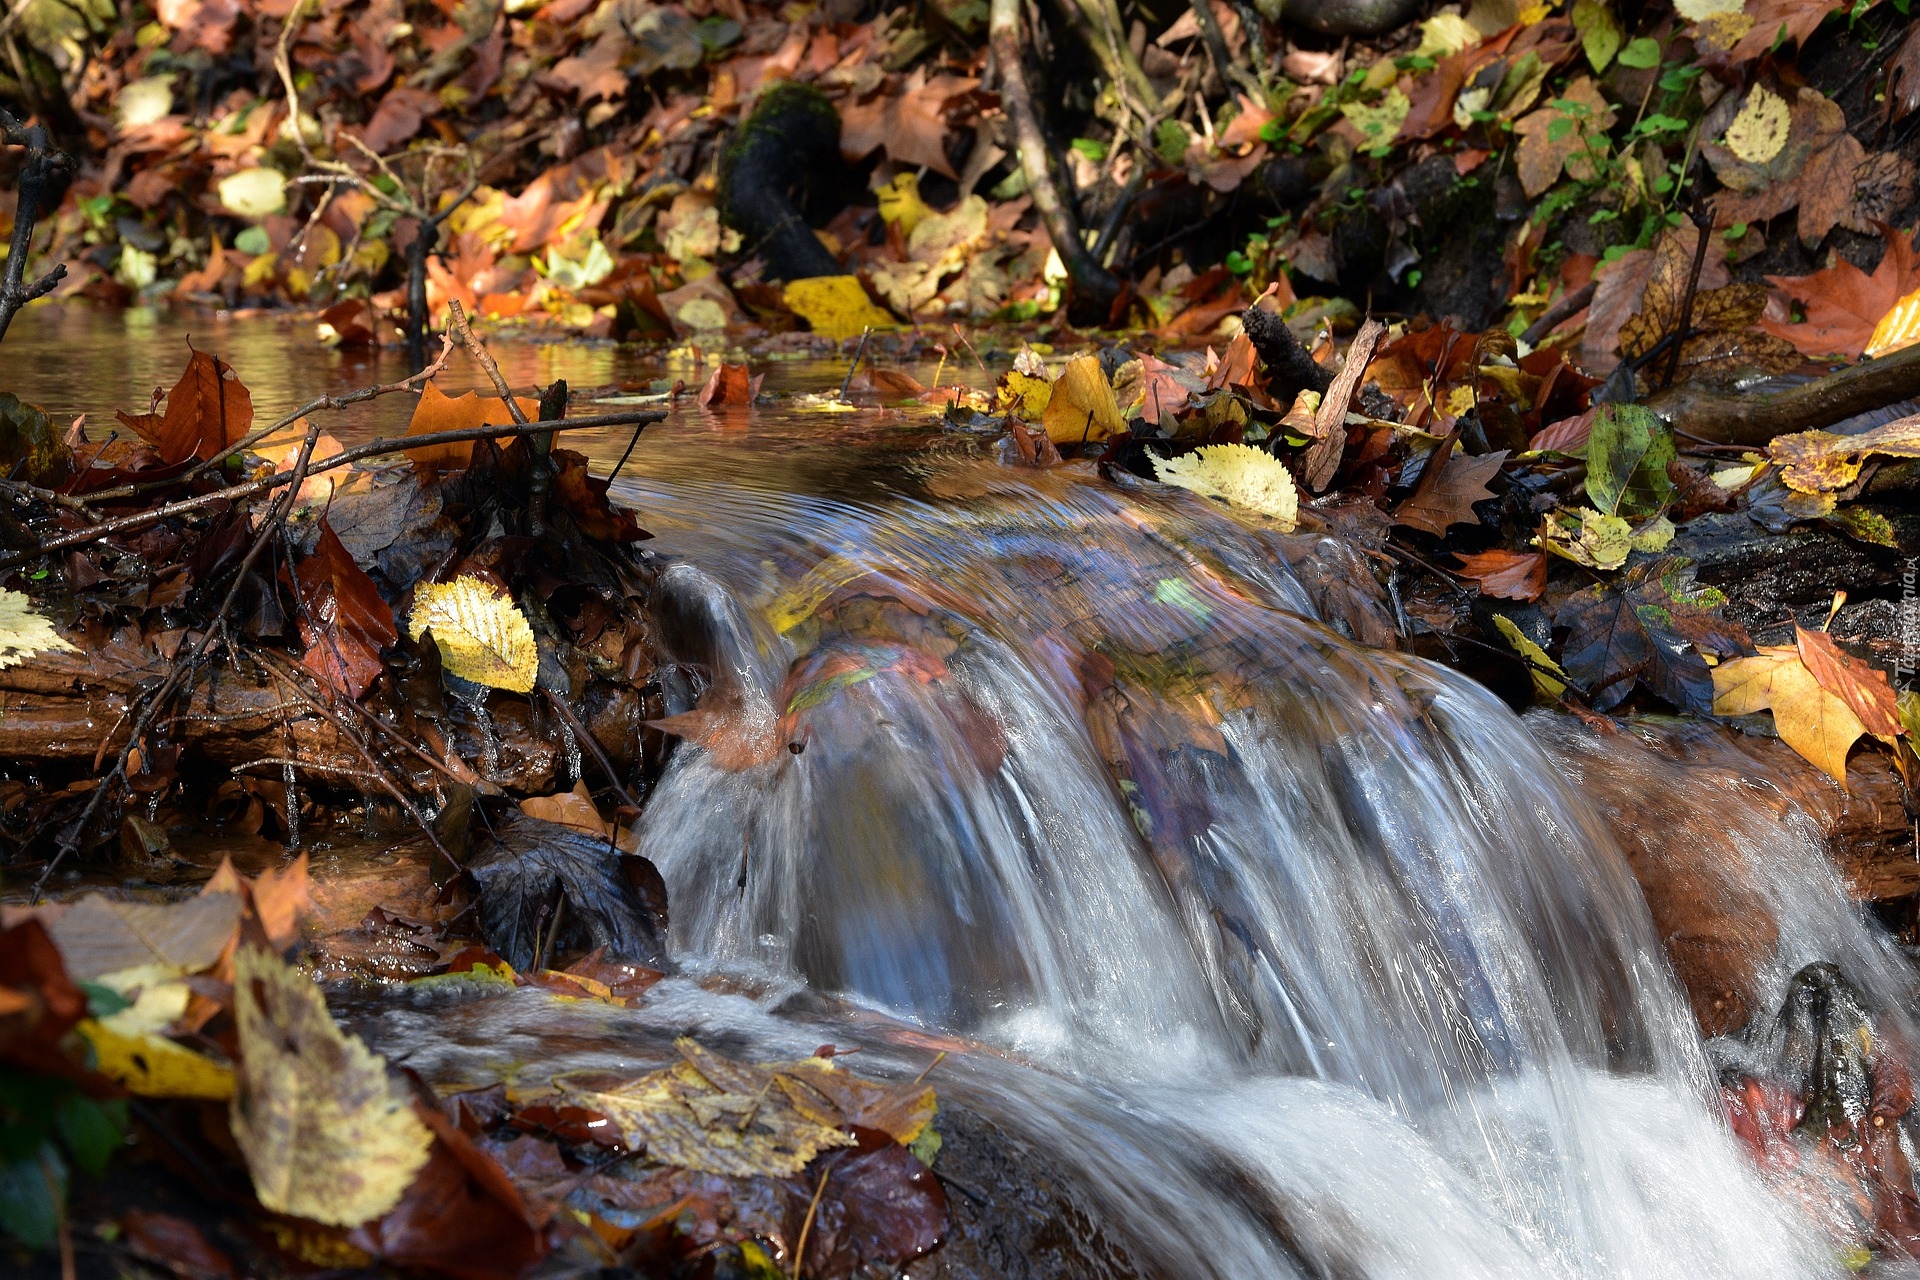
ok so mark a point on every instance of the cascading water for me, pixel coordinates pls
(1325, 968)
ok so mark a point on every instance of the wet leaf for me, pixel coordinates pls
(175, 1244)
(587, 499)
(1081, 407)
(25, 632)
(1862, 686)
(1239, 475)
(1539, 666)
(1899, 328)
(153, 1066)
(208, 410)
(1322, 460)
(1449, 499)
(731, 386)
(1809, 718)
(1587, 537)
(1843, 304)
(1826, 462)
(1512, 575)
(326, 1136)
(481, 634)
(1562, 136)
(1628, 451)
(1650, 629)
(525, 863)
(98, 935)
(436, 411)
(344, 623)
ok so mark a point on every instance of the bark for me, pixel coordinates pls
(43, 183)
(1755, 417)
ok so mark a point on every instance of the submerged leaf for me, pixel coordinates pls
(1239, 474)
(325, 1134)
(481, 633)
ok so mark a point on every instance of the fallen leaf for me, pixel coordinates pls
(712, 1114)
(1621, 288)
(1785, 22)
(1322, 459)
(175, 1244)
(835, 307)
(1542, 668)
(480, 632)
(1820, 169)
(1649, 628)
(729, 387)
(1826, 462)
(573, 808)
(344, 623)
(1811, 720)
(585, 497)
(325, 1134)
(1449, 499)
(1843, 304)
(1238, 474)
(1081, 407)
(1899, 328)
(911, 124)
(436, 411)
(1759, 132)
(1564, 134)
(524, 861)
(152, 1066)
(1718, 321)
(208, 410)
(1862, 686)
(1586, 537)
(1627, 455)
(1511, 575)
(98, 935)
(25, 632)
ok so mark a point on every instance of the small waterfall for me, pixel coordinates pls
(1075, 771)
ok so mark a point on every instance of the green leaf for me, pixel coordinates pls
(1600, 33)
(1093, 149)
(1640, 54)
(92, 1130)
(32, 1192)
(103, 1002)
(1627, 457)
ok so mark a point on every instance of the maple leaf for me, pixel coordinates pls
(344, 623)
(1449, 498)
(1862, 686)
(1822, 170)
(911, 124)
(1843, 304)
(1561, 135)
(1648, 629)
(1161, 394)
(1809, 718)
(595, 73)
(1826, 462)
(1511, 575)
(208, 410)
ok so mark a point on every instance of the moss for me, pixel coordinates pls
(789, 124)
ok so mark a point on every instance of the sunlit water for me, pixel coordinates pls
(1306, 957)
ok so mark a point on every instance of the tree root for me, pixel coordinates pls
(1755, 417)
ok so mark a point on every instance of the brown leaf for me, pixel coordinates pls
(1820, 172)
(41, 1004)
(1511, 575)
(1449, 499)
(1862, 686)
(175, 1244)
(208, 410)
(730, 387)
(1322, 458)
(1622, 288)
(1800, 18)
(398, 117)
(1540, 157)
(1842, 303)
(584, 495)
(344, 623)
(911, 123)
(1161, 393)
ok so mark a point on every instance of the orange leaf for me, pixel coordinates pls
(1844, 304)
(730, 387)
(438, 411)
(208, 410)
(1864, 688)
(1512, 575)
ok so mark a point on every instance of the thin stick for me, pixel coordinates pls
(479, 352)
(383, 445)
(593, 747)
(806, 1228)
(853, 368)
(938, 1058)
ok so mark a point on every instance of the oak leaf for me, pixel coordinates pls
(1449, 499)
(1511, 575)
(325, 1134)
(481, 634)
(1843, 304)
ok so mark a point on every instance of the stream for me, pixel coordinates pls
(1288, 955)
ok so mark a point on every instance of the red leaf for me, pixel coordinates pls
(584, 495)
(344, 622)
(730, 386)
(1861, 686)
(1511, 575)
(174, 1243)
(208, 410)
(1844, 303)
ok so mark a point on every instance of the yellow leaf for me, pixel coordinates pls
(1586, 537)
(1759, 132)
(24, 632)
(1081, 406)
(1826, 462)
(1654, 535)
(835, 307)
(1024, 394)
(1444, 35)
(1538, 661)
(326, 1135)
(254, 193)
(1812, 721)
(901, 205)
(1900, 327)
(1243, 476)
(714, 1115)
(482, 635)
(155, 1067)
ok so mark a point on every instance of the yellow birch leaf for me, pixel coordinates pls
(1241, 475)
(1759, 132)
(482, 635)
(1821, 727)
(154, 1067)
(326, 1135)
(835, 307)
(1082, 407)
(24, 632)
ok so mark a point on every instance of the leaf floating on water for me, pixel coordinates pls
(482, 635)
(730, 387)
(325, 1134)
(1241, 475)
(23, 632)
(714, 1115)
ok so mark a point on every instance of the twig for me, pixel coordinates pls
(806, 1228)
(1553, 316)
(592, 745)
(1755, 417)
(464, 331)
(861, 350)
(1703, 233)
(43, 182)
(383, 445)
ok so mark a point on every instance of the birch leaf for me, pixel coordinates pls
(482, 635)
(1242, 476)
(326, 1135)
(24, 632)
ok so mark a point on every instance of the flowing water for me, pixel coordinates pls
(1303, 958)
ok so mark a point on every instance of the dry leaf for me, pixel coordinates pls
(1759, 132)
(1545, 150)
(208, 410)
(1449, 499)
(1719, 319)
(1511, 575)
(1240, 475)
(481, 633)
(1322, 459)
(436, 411)
(326, 1135)
(1081, 407)
(1621, 287)
(98, 935)
(731, 386)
